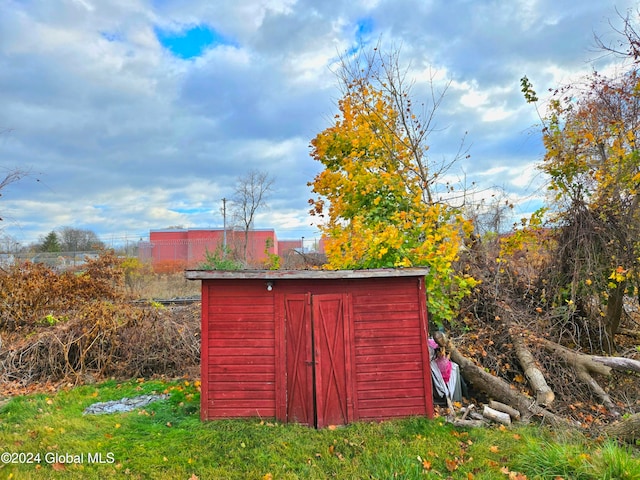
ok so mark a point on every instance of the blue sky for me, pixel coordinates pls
(190, 41)
(141, 115)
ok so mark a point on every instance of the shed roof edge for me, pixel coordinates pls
(305, 274)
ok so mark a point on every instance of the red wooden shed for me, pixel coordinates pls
(314, 347)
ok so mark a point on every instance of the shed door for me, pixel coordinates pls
(317, 359)
(330, 355)
(299, 355)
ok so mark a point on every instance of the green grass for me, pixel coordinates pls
(167, 440)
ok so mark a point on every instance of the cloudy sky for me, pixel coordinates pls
(134, 115)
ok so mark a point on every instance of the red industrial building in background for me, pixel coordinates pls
(187, 248)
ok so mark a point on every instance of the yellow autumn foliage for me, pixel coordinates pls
(373, 204)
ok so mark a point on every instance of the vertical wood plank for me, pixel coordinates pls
(350, 360)
(204, 349)
(426, 361)
(281, 358)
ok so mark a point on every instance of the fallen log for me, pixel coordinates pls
(476, 420)
(467, 411)
(496, 416)
(501, 407)
(618, 363)
(584, 366)
(458, 422)
(627, 429)
(535, 377)
(477, 416)
(544, 394)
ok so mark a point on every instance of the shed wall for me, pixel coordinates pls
(238, 357)
(392, 368)
(243, 349)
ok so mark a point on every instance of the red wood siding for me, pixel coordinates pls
(240, 355)
(331, 343)
(391, 370)
(317, 352)
(299, 359)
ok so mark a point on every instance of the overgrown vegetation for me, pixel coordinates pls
(31, 291)
(505, 307)
(166, 439)
(82, 326)
(531, 309)
(592, 161)
(220, 259)
(381, 197)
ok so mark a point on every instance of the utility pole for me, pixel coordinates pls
(224, 220)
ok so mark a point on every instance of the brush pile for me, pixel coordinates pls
(80, 327)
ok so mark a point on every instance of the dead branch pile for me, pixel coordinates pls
(513, 349)
(79, 326)
(148, 341)
(167, 343)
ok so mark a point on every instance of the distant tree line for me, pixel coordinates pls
(64, 239)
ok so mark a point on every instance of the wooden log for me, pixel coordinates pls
(476, 416)
(575, 359)
(618, 363)
(544, 394)
(467, 411)
(496, 387)
(584, 366)
(501, 407)
(496, 415)
(627, 429)
(468, 423)
(587, 379)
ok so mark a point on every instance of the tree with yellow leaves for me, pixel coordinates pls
(590, 136)
(378, 192)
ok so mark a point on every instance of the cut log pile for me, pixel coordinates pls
(493, 412)
(508, 404)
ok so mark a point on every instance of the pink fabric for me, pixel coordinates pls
(432, 343)
(444, 365)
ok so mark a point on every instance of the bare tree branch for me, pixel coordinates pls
(10, 177)
(251, 193)
(413, 126)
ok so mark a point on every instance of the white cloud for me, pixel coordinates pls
(495, 114)
(474, 99)
(125, 137)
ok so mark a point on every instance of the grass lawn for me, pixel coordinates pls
(167, 440)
